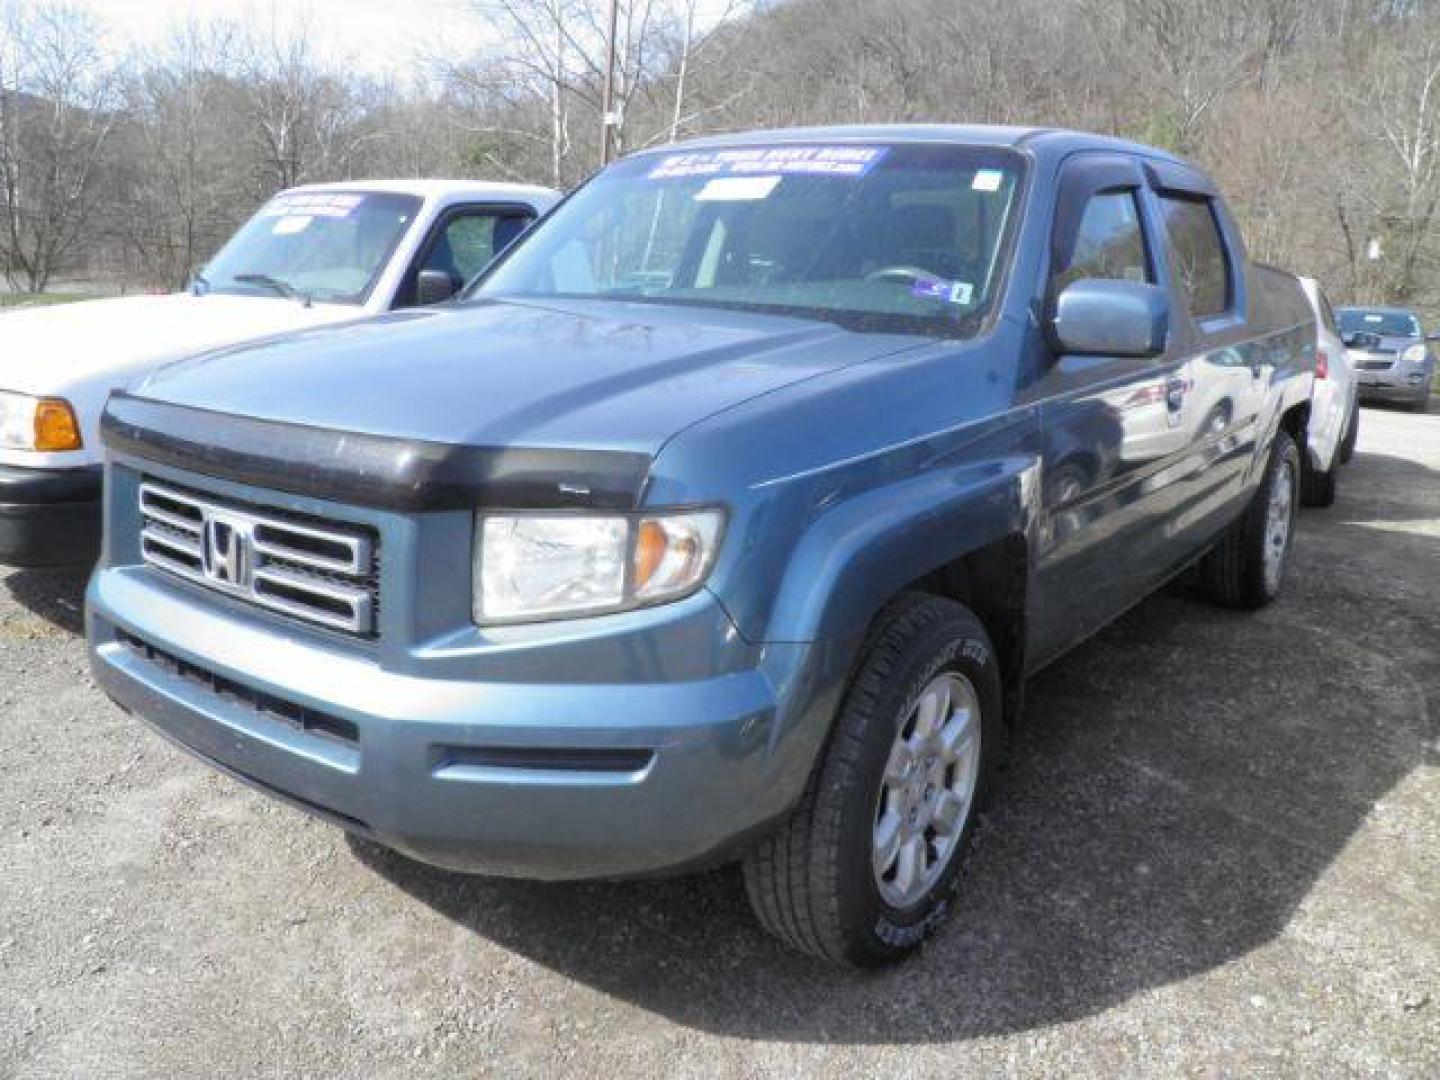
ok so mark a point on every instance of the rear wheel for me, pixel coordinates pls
(1247, 565)
(868, 864)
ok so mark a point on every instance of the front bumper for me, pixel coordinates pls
(49, 517)
(509, 778)
(1391, 388)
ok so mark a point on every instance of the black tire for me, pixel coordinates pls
(811, 882)
(1352, 433)
(1233, 573)
(1317, 489)
(1421, 404)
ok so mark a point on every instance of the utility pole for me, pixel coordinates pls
(608, 120)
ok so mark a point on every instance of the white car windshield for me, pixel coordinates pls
(328, 246)
(893, 238)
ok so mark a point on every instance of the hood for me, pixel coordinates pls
(602, 375)
(82, 351)
(44, 350)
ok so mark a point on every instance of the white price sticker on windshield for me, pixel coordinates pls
(290, 225)
(987, 180)
(737, 189)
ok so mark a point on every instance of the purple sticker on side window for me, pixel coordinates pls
(771, 160)
(951, 292)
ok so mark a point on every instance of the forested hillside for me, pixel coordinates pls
(1320, 118)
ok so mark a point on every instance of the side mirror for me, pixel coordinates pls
(1111, 318)
(433, 286)
(1348, 339)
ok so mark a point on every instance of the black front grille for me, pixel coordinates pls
(309, 721)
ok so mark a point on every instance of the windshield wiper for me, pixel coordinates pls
(284, 288)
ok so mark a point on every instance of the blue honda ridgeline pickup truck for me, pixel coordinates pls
(723, 518)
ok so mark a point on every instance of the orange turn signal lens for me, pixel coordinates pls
(56, 428)
(650, 547)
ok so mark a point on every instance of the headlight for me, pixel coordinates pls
(30, 423)
(1415, 354)
(548, 566)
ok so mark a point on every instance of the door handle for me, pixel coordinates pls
(1175, 390)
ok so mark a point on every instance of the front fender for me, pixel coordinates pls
(850, 563)
(861, 554)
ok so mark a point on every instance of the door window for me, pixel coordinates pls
(1109, 243)
(1200, 260)
(469, 240)
(465, 244)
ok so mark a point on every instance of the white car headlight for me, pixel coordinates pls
(548, 566)
(1415, 354)
(31, 423)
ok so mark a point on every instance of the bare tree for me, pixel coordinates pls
(307, 118)
(556, 52)
(1400, 110)
(187, 195)
(58, 108)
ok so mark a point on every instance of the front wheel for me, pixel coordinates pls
(1247, 564)
(867, 865)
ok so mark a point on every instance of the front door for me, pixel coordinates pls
(1118, 431)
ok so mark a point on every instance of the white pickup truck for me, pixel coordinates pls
(311, 256)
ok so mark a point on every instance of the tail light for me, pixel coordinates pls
(1322, 364)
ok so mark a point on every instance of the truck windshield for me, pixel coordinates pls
(892, 238)
(328, 246)
(1384, 323)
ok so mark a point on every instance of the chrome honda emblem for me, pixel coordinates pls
(226, 552)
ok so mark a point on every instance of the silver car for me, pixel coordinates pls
(1391, 354)
(1334, 405)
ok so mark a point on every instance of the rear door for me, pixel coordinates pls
(1118, 431)
(1230, 366)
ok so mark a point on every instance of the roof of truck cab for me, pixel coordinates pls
(1037, 138)
(439, 188)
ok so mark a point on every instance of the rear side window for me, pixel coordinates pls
(1109, 242)
(1200, 259)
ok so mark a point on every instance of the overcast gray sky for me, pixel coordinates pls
(380, 36)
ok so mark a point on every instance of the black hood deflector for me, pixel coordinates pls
(383, 471)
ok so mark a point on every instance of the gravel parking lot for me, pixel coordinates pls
(1217, 852)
